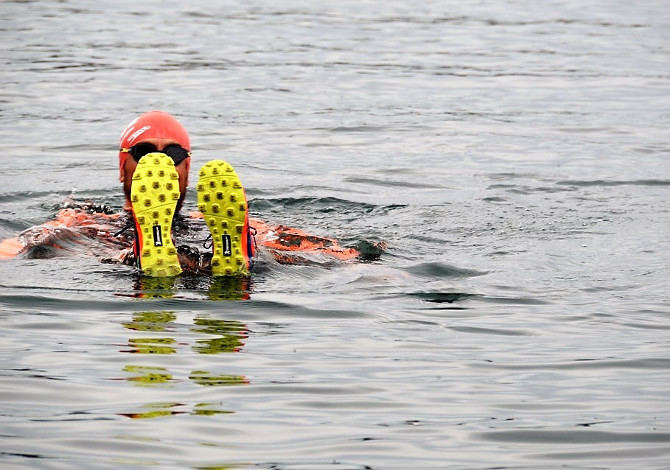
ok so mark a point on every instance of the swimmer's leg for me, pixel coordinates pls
(154, 194)
(223, 203)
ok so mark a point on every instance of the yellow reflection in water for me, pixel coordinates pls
(151, 346)
(212, 336)
(161, 410)
(215, 326)
(202, 377)
(218, 345)
(154, 287)
(150, 321)
(148, 376)
(229, 335)
(230, 288)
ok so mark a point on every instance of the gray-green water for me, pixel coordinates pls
(514, 155)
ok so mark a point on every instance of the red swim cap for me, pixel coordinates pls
(152, 125)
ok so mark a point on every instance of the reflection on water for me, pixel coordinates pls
(151, 346)
(208, 379)
(160, 410)
(228, 335)
(150, 321)
(224, 336)
(146, 287)
(146, 375)
(230, 288)
(220, 288)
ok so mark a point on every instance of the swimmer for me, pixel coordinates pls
(154, 164)
(154, 167)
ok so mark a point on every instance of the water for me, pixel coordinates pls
(514, 155)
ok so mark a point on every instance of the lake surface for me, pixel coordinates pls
(513, 156)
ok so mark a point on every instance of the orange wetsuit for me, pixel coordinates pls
(103, 235)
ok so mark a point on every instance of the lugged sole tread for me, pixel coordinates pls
(222, 202)
(154, 195)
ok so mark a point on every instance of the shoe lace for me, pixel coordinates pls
(129, 225)
(209, 239)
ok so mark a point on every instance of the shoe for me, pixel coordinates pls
(223, 204)
(154, 194)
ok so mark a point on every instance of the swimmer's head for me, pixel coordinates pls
(156, 131)
(153, 125)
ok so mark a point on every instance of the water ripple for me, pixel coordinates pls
(512, 162)
(441, 270)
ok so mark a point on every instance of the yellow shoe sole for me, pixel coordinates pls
(154, 194)
(223, 204)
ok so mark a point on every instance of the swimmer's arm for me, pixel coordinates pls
(125, 256)
(10, 248)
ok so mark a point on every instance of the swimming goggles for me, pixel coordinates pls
(174, 151)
